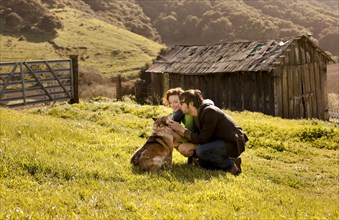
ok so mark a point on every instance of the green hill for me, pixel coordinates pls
(102, 47)
(106, 34)
(72, 162)
(188, 21)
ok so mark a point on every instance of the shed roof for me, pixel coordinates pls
(224, 57)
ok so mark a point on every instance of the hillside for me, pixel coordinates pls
(72, 162)
(190, 21)
(104, 50)
(102, 47)
(100, 31)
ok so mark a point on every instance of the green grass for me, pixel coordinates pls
(100, 46)
(72, 162)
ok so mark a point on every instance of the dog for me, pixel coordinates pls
(158, 149)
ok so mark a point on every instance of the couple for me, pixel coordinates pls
(208, 134)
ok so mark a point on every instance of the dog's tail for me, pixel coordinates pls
(135, 158)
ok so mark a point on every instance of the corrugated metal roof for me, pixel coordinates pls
(218, 58)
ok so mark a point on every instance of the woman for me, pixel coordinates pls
(171, 99)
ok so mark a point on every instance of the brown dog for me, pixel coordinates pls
(157, 150)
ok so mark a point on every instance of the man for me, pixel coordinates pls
(217, 140)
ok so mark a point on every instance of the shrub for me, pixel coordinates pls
(13, 20)
(314, 133)
(49, 23)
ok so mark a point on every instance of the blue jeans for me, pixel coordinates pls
(213, 155)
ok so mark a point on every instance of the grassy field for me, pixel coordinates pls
(72, 162)
(100, 46)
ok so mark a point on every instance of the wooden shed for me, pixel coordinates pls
(285, 77)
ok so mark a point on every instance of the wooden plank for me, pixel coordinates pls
(312, 90)
(323, 79)
(248, 90)
(266, 93)
(241, 92)
(308, 52)
(290, 87)
(211, 84)
(284, 92)
(218, 91)
(292, 60)
(296, 55)
(260, 92)
(223, 92)
(233, 95)
(238, 89)
(318, 88)
(271, 93)
(307, 91)
(228, 90)
(157, 86)
(302, 52)
(277, 92)
(301, 75)
(187, 82)
(197, 82)
(300, 113)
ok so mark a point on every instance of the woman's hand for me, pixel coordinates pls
(178, 128)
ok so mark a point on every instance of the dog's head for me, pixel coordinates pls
(160, 123)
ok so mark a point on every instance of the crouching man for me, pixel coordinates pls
(217, 141)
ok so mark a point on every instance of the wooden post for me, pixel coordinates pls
(75, 72)
(119, 88)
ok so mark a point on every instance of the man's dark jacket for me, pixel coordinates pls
(212, 124)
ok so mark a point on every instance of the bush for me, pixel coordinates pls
(13, 20)
(49, 23)
(314, 133)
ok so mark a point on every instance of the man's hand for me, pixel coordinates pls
(178, 128)
(173, 133)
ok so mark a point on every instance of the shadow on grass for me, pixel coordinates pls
(186, 173)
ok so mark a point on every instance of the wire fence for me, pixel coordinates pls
(334, 115)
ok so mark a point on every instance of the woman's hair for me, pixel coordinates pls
(192, 95)
(174, 91)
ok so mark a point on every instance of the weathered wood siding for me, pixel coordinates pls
(251, 91)
(157, 87)
(300, 83)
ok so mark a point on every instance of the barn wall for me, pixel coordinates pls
(251, 91)
(295, 88)
(157, 85)
(300, 83)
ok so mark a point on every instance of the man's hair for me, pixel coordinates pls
(192, 95)
(174, 91)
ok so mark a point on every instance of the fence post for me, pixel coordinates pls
(75, 68)
(119, 88)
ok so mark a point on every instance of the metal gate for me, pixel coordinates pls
(34, 82)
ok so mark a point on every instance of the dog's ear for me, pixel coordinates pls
(154, 118)
(168, 119)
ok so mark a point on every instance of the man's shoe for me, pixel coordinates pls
(190, 160)
(235, 167)
(237, 162)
